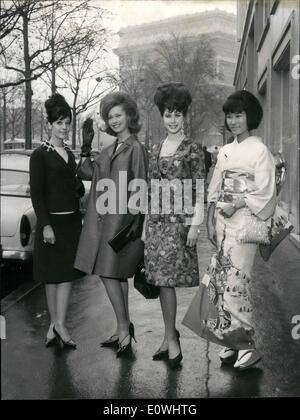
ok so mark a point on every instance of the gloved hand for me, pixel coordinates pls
(87, 137)
(136, 228)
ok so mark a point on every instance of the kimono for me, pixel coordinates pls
(168, 261)
(222, 309)
(118, 168)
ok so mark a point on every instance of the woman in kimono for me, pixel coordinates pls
(171, 233)
(55, 194)
(242, 195)
(116, 167)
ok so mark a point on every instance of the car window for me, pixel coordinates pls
(15, 183)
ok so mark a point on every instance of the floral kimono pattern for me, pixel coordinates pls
(222, 309)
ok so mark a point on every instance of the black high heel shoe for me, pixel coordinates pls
(174, 363)
(163, 354)
(64, 344)
(126, 349)
(50, 341)
(131, 331)
(113, 340)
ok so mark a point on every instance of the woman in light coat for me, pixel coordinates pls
(117, 165)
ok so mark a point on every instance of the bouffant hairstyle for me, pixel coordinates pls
(240, 101)
(172, 96)
(57, 108)
(128, 104)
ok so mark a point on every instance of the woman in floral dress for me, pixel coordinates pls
(242, 195)
(173, 221)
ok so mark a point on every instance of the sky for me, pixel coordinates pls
(135, 12)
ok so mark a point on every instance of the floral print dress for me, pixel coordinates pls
(168, 261)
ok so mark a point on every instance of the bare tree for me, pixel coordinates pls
(68, 32)
(8, 18)
(15, 112)
(194, 64)
(136, 80)
(175, 59)
(48, 34)
(82, 73)
(33, 63)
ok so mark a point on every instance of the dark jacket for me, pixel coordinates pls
(54, 186)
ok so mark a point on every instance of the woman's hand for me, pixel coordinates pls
(87, 136)
(48, 235)
(224, 322)
(192, 236)
(227, 211)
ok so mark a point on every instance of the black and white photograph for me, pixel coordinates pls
(150, 200)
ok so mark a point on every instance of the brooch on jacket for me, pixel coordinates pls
(49, 146)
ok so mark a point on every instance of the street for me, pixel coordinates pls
(32, 371)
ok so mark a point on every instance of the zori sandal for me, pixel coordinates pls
(228, 355)
(247, 360)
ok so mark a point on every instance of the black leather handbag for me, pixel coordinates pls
(120, 239)
(149, 291)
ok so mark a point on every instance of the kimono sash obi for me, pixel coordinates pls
(235, 184)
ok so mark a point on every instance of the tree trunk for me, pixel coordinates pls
(147, 134)
(42, 124)
(53, 81)
(4, 115)
(74, 122)
(74, 127)
(28, 91)
(13, 123)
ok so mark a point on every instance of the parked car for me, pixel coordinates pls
(18, 219)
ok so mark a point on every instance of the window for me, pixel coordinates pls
(15, 183)
(262, 22)
(266, 10)
(281, 121)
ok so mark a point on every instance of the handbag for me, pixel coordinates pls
(280, 229)
(149, 291)
(120, 239)
(254, 230)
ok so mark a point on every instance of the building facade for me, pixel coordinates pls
(269, 66)
(141, 41)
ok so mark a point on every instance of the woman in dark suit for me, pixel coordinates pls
(55, 194)
(117, 166)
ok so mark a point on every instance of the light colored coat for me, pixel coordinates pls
(94, 254)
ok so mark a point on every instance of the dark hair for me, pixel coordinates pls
(172, 96)
(129, 105)
(240, 101)
(57, 108)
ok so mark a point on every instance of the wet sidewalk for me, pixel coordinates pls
(32, 371)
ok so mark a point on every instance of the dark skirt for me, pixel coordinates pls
(54, 263)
